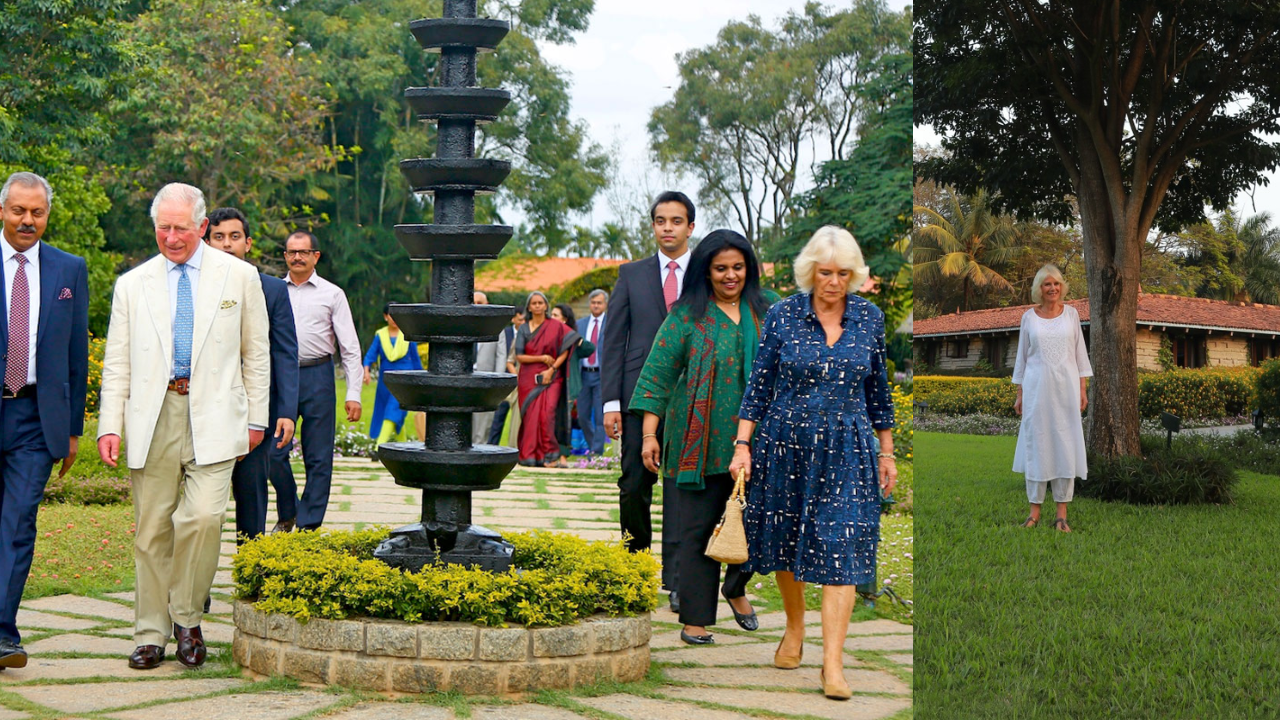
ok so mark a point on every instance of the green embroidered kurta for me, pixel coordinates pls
(662, 388)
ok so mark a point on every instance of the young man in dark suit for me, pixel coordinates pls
(44, 350)
(645, 291)
(229, 232)
(590, 403)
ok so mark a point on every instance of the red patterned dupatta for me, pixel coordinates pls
(700, 378)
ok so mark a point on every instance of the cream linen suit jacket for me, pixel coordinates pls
(230, 358)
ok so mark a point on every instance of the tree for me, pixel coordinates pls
(1143, 111)
(972, 245)
(224, 104)
(1232, 259)
(61, 65)
(750, 106)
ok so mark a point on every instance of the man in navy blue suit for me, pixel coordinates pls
(44, 349)
(229, 232)
(590, 403)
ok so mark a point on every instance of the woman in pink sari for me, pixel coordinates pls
(542, 347)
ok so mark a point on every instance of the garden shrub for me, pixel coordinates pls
(1202, 393)
(90, 490)
(904, 429)
(556, 579)
(1267, 390)
(990, 398)
(1187, 473)
(924, 386)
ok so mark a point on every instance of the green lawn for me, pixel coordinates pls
(1160, 612)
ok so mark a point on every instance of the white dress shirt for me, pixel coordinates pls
(663, 260)
(32, 269)
(592, 326)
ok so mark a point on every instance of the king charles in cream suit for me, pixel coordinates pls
(187, 410)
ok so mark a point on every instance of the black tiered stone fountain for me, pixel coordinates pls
(446, 466)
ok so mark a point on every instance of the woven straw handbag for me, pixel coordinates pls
(729, 540)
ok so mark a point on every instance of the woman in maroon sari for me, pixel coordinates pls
(542, 347)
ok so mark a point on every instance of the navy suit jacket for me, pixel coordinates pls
(284, 350)
(62, 346)
(636, 311)
(584, 328)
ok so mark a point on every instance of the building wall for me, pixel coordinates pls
(1227, 351)
(1149, 349)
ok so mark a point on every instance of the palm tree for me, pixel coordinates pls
(967, 245)
(1236, 260)
(1261, 259)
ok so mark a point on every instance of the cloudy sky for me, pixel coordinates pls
(624, 65)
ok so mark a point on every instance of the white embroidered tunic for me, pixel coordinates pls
(1051, 360)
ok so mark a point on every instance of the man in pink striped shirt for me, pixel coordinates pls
(326, 336)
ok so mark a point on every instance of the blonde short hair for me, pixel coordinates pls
(830, 244)
(1046, 272)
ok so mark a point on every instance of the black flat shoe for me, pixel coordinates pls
(707, 639)
(674, 600)
(747, 621)
(12, 655)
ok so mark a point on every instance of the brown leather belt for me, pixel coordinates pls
(312, 362)
(26, 391)
(182, 386)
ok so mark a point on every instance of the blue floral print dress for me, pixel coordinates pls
(813, 501)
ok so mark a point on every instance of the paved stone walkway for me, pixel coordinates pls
(79, 644)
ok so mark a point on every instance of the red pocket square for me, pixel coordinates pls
(65, 294)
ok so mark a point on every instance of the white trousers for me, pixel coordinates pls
(1063, 490)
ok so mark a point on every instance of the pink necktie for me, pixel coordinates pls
(15, 373)
(595, 333)
(669, 289)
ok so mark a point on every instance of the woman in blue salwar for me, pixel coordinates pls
(390, 350)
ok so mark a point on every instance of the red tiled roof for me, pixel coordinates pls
(536, 273)
(1163, 310)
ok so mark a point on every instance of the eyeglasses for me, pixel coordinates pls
(299, 253)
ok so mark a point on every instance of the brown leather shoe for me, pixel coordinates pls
(283, 526)
(191, 650)
(146, 657)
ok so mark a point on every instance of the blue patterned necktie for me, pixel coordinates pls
(183, 327)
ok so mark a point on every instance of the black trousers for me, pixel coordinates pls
(699, 511)
(635, 496)
(249, 488)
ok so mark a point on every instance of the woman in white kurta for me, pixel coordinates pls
(1050, 373)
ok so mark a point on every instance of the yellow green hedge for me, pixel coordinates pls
(561, 578)
(1190, 394)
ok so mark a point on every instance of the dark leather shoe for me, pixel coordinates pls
(674, 599)
(146, 657)
(208, 602)
(12, 655)
(191, 650)
(707, 639)
(283, 526)
(748, 621)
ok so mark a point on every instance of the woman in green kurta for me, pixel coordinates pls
(693, 380)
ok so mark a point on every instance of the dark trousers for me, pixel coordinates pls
(591, 411)
(635, 496)
(700, 510)
(316, 406)
(499, 417)
(25, 464)
(249, 488)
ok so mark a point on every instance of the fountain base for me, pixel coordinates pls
(413, 546)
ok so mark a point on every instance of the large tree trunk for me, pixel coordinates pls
(1112, 267)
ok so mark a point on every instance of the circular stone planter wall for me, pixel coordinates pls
(388, 655)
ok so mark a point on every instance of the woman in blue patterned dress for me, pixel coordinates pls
(823, 455)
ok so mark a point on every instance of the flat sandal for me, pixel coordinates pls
(1030, 522)
(1061, 525)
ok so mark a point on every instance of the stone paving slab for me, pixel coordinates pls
(75, 668)
(809, 703)
(36, 619)
(101, 696)
(902, 659)
(271, 705)
(7, 714)
(81, 606)
(85, 644)
(641, 708)
(747, 654)
(865, 681)
(521, 712)
(879, 627)
(880, 642)
(670, 639)
(392, 711)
